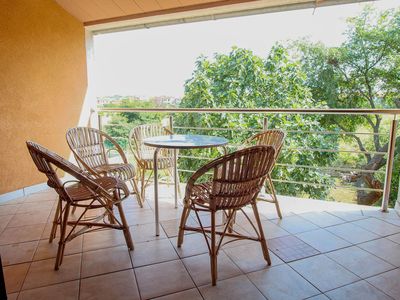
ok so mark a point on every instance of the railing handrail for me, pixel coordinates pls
(320, 111)
(315, 111)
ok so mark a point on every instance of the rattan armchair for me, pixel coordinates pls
(144, 154)
(275, 138)
(237, 178)
(97, 195)
(88, 146)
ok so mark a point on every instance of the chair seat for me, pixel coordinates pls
(121, 171)
(78, 192)
(201, 193)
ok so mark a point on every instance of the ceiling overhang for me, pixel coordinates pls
(111, 15)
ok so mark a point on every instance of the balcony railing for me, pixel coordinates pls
(388, 134)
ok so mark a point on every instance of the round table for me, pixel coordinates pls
(176, 142)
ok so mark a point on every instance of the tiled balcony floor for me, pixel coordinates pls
(320, 250)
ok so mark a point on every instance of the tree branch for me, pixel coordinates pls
(357, 138)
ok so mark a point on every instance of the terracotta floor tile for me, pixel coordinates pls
(42, 273)
(152, 252)
(14, 277)
(352, 233)
(385, 249)
(274, 283)
(290, 248)
(47, 230)
(170, 277)
(193, 244)
(103, 239)
(360, 262)
(295, 224)
(388, 283)
(12, 296)
(105, 261)
(31, 207)
(42, 196)
(250, 257)
(140, 217)
(170, 213)
(21, 234)
(319, 297)
(200, 271)
(146, 232)
(30, 218)
(47, 250)
(118, 285)
(323, 273)
(377, 226)
(8, 209)
(358, 290)
(322, 240)
(322, 219)
(378, 213)
(395, 238)
(348, 215)
(65, 291)
(192, 294)
(4, 221)
(272, 230)
(236, 288)
(18, 253)
(171, 227)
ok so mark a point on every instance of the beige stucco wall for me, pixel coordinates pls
(42, 84)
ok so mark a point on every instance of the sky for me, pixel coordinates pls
(157, 61)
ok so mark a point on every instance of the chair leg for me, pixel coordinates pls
(126, 231)
(139, 198)
(56, 219)
(184, 217)
(111, 217)
(261, 233)
(61, 243)
(273, 194)
(213, 251)
(143, 184)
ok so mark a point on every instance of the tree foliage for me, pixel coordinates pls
(363, 72)
(243, 80)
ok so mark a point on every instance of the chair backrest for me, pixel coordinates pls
(45, 159)
(87, 144)
(238, 177)
(270, 137)
(139, 133)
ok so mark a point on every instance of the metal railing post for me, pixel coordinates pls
(176, 181)
(389, 165)
(265, 123)
(171, 123)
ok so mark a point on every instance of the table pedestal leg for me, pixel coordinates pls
(156, 192)
(176, 178)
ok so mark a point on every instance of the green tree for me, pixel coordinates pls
(363, 72)
(243, 80)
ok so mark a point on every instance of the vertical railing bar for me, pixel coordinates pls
(389, 164)
(99, 121)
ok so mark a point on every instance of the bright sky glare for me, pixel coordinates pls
(158, 61)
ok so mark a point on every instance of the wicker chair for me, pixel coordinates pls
(87, 145)
(275, 138)
(90, 195)
(144, 154)
(237, 179)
